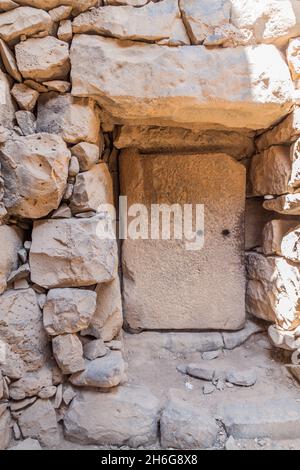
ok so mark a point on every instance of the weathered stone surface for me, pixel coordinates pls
(276, 170)
(234, 339)
(169, 139)
(75, 119)
(26, 122)
(11, 239)
(276, 418)
(68, 310)
(23, 21)
(126, 416)
(255, 219)
(92, 190)
(43, 59)
(278, 21)
(5, 430)
(273, 290)
(61, 12)
(103, 372)
(68, 353)
(108, 318)
(35, 170)
(31, 384)
(22, 328)
(7, 5)
(280, 237)
(154, 22)
(9, 61)
(25, 97)
(77, 5)
(293, 58)
(27, 444)
(285, 132)
(64, 32)
(72, 252)
(245, 104)
(58, 85)
(242, 378)
(288, 204)
(94, 349)
(7, 107)
(185, 425)
(87, 155)
(182, 179)
(200, 371)
(39, 422)
(207, 20)
(133, 3)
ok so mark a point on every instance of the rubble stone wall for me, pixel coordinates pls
(79, 81)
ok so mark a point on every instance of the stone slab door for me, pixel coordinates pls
(166, 286)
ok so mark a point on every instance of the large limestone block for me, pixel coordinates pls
(166, 285)
(127, 416)
(285, 132)
(68, 310)
(252, 97)
(21, 326)
(276, 170)
(281, 237)
(92, 189)
(7, 107)
(73, 252)
(154, 22)
(150, 139)
(273, 290)
(43, 59)
(23, 21)
(35, 170)
(75, 119)
(108, 318)
(11, 240)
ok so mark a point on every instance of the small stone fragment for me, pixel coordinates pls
(9, 61)
(58, 396)
(58, 85)
(65, 32)
(243, 378)
(200, 372)
(68, 394)
(208, 389)
(61, 12)
(23, 272)
(47, 392)
(87, 154)
(94, 349)
(68, 353)
(210, 355)
(74, 166)
(5, 429)
(104, 372)
(26, 122)
(16, 431)
(63, 212)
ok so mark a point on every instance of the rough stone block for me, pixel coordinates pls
(73, 252)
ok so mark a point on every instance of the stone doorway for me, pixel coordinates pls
(166, 285)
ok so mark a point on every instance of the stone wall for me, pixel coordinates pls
(213, 81)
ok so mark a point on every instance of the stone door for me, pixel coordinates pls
(166, 286)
